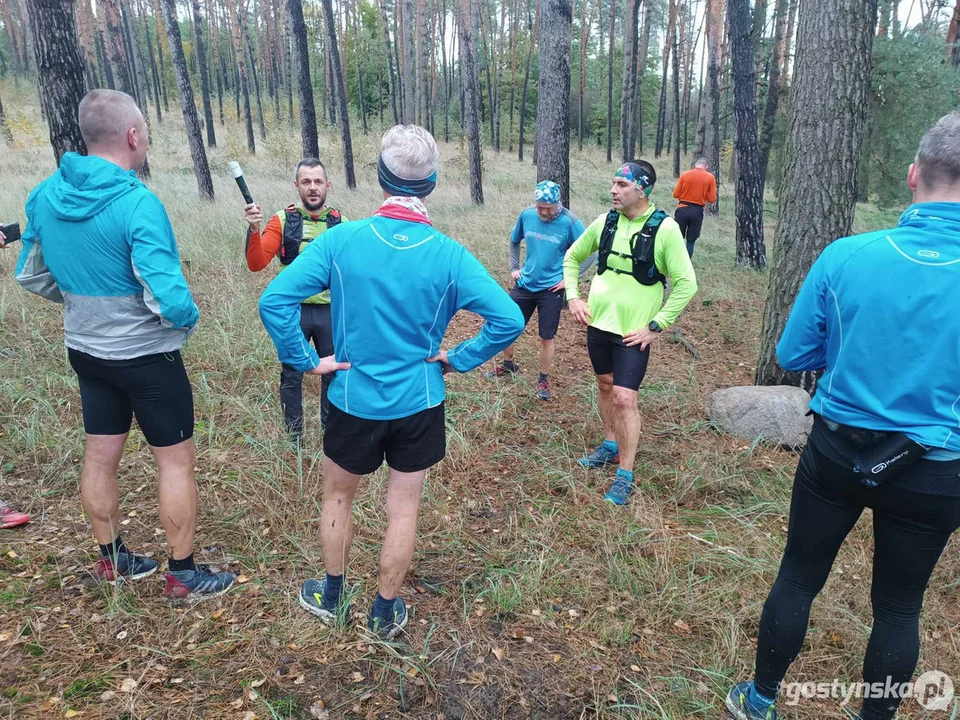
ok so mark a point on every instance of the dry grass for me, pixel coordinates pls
(529, 597)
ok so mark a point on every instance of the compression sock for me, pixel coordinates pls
(113, 549)
(178, 565)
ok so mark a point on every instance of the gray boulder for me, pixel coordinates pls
(776, 414)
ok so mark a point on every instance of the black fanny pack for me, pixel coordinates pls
(877, 457)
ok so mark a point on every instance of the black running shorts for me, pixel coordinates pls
(690, 220)
(609, 355)
(155, 388)
(547, 304)
(409, 444)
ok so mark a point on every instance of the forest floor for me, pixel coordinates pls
(529, 597)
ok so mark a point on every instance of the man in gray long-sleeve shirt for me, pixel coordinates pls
(548, 229)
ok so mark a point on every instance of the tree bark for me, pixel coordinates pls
(409, 73)
(711, 137)
(469, 22)
(13, 38)
(308, 113)
(751, 251)
(498, 86)
(553, 133)
(204, 78)
(243, 87)
(391, 81)
(423, 62)
(187, 101)
(532, 32)
(116, 47)
(676, 102)
(252, 57)
(487, 61)
(154, 74)
(613, 26)
(630, 19)
(585, 21)
(636, 128)
(356, 55)
(4, 128)
(662, 114)
(59, 72)
(337, 72)
(828, 114)
(773, 91)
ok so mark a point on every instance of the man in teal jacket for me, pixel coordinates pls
(99, 242)
(395, 283)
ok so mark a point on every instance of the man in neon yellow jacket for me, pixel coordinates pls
(638, 248)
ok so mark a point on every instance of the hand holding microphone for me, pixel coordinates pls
(252, 211)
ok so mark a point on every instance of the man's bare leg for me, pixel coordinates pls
(178, 496)
(547, 349)
(627, 425)
(403, 506)
(608, 412)
(98, 485)
(336, 517)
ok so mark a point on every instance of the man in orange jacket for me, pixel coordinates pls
(695, 188)
(285, 236)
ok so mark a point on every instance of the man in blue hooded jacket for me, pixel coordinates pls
(395, 283)
(99, 242)
(877, 313)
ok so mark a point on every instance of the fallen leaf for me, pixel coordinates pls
(238, 703)
(248, 715)
(242, 579)
(301, 679)
(12, 555)
(612, 698)
(635, 668)
(217, 614)
(682, 625)
(70, 713)
(128, 685)
(835, 637)
(108, 695)
(356, 677)
(595, 668)
(121, 635)
(498, 653)
(536, 611)
(573, 613)
(556, 658)
(258, 683)
(132, 513)
(4, 637)
(528, 638)
(317, 712)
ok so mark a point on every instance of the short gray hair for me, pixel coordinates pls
(701, 162)
(938, 157)
(107, 115)
(410, 152)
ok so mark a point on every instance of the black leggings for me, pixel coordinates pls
(317, 328)
(910, 532)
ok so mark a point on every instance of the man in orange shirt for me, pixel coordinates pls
(286, 235)
(695, 188)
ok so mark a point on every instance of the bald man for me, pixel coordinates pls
(99, 242)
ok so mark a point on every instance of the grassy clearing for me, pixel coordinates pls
(529, 597)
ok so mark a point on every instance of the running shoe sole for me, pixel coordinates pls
(326, 617)
(194, 598)
(394, 631)
(120, 579)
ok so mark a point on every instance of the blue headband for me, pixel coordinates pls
(396, 185)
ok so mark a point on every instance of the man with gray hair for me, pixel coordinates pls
(876, 313)
(694, 189)
(395, 283)
(99, 242)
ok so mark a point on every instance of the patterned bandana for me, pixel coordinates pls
(547, 192)
(401, 207)
(632, 172)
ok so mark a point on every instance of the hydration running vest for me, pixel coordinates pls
(293, 240)
(641, 249)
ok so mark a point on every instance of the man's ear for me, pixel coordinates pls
(913, 177)
(133, 139)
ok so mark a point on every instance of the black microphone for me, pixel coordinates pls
(241, 182)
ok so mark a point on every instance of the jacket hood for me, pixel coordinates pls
(84, 185)
(932, 214)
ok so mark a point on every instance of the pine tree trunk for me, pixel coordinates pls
(953, 47)
(308, 113)
(711, 137)
(513, 67)
(832, 80)
(532, 32)
(158, 36)
(751, 251)
(13, 39)
(252, 57)
(662, 114)
(423, 63)
(630, 19)
(155, 76)
(336, 70)
(187, 101)
(773, 91)
(409, 66)
(788, 40)
(498, 87)
(553, 133)
(117, 48)
(446, 74)
(391, 81)
(469, 22)
(204, 79)
(59, 72)
(676, 102)
(27, 36)
(356, 55)
(636, 127)
(4, 128)
(243, 92)
(487, 54)
(581, 112)
(613, 26)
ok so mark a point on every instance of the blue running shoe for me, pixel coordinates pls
(741, 708)
(124, 566)
(311, 600)
(619, 493)
(392, 629)
(600, 457)
(186, 587)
